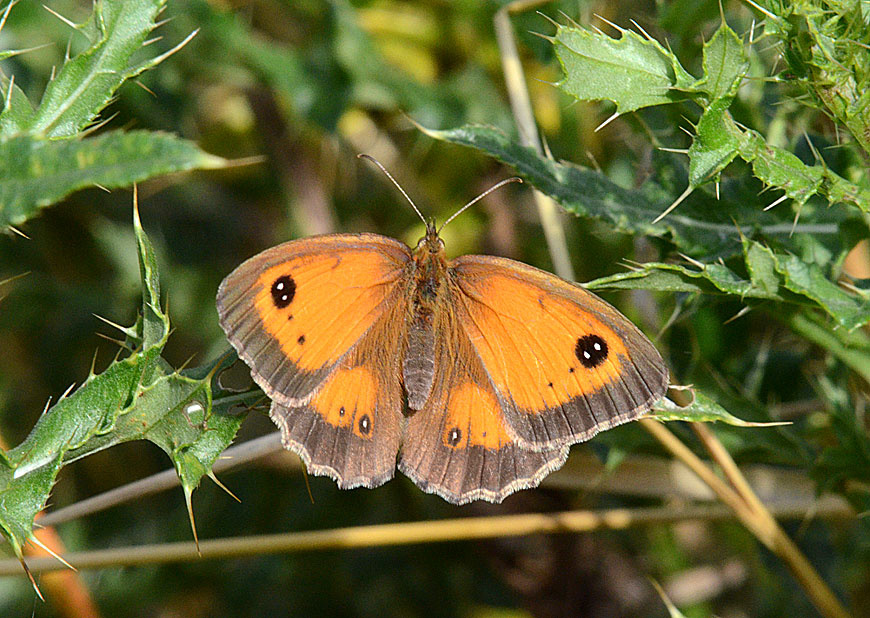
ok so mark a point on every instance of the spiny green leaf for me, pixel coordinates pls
(22, 495)
(134, 398)
(703, 409)
(725, 64)
(780, 168)
(154, 413)
(631, 71)
(84, 421)
(152, 327)
(659, 277)
(761, 266)
(713, 146)
(701, 227)
(36, 172)
(17, 110)
(636, 72)
(194, 457)
(806, 279)
(825, 47)
(779, 277)
(718, 140)
(87, 82)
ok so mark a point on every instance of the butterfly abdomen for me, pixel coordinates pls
(418, 368)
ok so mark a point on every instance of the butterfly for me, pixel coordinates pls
(473, 376)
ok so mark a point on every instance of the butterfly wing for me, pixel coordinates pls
(294, 311)
(458, 445)
(564, 363)
(319, 321)
(350, 428)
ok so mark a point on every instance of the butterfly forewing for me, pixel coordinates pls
(565, 364)
(293, 311)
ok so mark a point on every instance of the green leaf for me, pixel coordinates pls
(703, 409)
(780, 168)
(631, 71)
(701, 227)
(134, 398)
(152, 326)
(713, 146)
(23, 493)
(636, 72)
(718, 140)
(87, 416)
(17, 110)
(36, 172)
(725, 65)
(86, 83)
(807, 279)
(659, 277)
(825, 48)
(761, 265)
(777, 277)
(194, 452)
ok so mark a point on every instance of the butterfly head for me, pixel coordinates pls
(431, 243)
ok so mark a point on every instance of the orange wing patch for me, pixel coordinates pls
(318, 308)
(347, 400)
(539, 345)
(564, 363)
(350, 428)
(473, 418)
(293, 311)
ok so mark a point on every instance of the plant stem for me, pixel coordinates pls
(384, 535)
(756, 518)
(524, 117)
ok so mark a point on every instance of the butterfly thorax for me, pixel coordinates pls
(430, 281)
(430, 265)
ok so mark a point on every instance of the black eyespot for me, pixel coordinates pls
(454, 436)
(283, 291)
(341, 411)
(301, 339)
(591, 350)
(572, 369)
(550, 384)
(365, 424)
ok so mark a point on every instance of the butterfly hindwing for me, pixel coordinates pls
(565, 364)
(457, 445)
(350, 428)
(293, 311)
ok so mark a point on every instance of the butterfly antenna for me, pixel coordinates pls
(504, 182)
(398, 186)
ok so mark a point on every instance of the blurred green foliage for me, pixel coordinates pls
(308, 85)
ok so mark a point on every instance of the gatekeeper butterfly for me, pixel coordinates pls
(473, 375)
